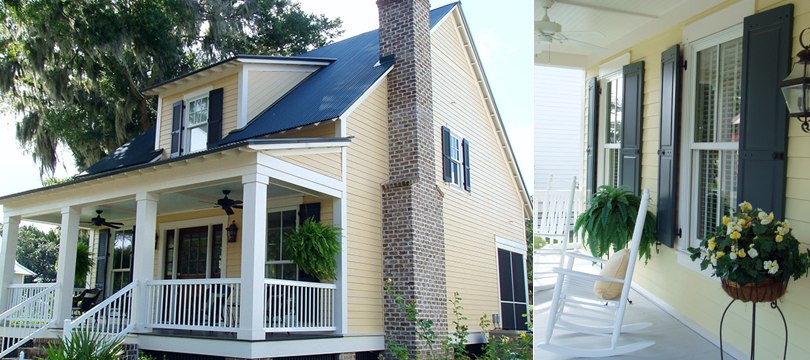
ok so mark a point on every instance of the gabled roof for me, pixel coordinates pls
(22, 270)
(349, 68)
(331, 90)
(138, 151)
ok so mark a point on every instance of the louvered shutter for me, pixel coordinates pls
(101, 258)
(632, 111)
(767, 52)
(306, 211)
(668, 146)
(177, 129)
(448, 176)
(214, 117)
(593, 133)
(466, 149)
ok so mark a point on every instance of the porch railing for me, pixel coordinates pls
(25, 320)
(19, 292)
(198, 304)
(298, 306)
(111, 318)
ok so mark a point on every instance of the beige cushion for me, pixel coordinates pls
(616, 267)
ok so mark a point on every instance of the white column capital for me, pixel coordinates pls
(70, 210)
(255, 178)
(147, 196)
(12, 219)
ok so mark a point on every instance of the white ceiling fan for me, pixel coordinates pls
(549, 32)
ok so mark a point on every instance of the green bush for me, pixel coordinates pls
(84, 345)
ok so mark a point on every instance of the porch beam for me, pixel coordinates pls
(145, 228)
(66, 264)
(8, 254)
(254, 233)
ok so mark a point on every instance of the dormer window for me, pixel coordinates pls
(197, 122)
(196, 127)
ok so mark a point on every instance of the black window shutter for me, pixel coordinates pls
(519, 287)
(177, 129)
(466, 148)
(214, 117)
(668, 146)
(446, 154)
(306, 211)
(593, 135)
(767, 43)
(101, 258)
(507, 289)
(632, 112)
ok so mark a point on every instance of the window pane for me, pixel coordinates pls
(169, 264)
(706, 83)
(216, 251)
(612, 167)
(288, 222)
(717, 194)
(730, 87)
(198, 138)
(614, 115)
(289, 272)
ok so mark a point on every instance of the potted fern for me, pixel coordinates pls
(609, 220)
(314, 246)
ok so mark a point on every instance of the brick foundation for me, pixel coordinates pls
(413, 231)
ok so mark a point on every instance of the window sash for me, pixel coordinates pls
(456, 160)
(278, 223)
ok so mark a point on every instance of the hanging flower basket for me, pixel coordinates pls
(765, 291)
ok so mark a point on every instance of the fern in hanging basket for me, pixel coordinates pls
(314, 247)
(609, 220)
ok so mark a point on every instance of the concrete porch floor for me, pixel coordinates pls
(673, 339)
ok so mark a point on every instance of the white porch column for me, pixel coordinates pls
(66, 265)
(341, 293)
(145, 227)
(254, 235)
(8, 253)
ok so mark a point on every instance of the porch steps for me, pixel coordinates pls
(33, 349)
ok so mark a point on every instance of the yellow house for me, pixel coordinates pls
(396, 141)
(683, 98)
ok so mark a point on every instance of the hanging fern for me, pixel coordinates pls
(609, 222)
(314, 247)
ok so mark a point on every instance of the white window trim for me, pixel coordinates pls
(176, 226)
(685, 198)
(603, 125)
(515, 247)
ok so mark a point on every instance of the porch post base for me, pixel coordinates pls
(250, 334)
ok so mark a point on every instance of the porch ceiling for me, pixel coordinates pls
(172, 202)
(622, 22)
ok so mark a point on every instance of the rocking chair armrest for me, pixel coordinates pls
(584, 257)
(582, 275)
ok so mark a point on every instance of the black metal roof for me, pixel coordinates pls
(138, 151)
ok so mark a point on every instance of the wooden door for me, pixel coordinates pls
(192, 256)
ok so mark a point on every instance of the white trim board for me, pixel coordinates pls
(686, 321)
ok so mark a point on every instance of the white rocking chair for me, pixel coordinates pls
(557, 212)
(575, 307)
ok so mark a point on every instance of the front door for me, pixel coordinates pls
(192, 255)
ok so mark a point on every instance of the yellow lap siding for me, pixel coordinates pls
(367, 169)
(493, 208)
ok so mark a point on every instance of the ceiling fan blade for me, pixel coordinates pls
(582, 34)
(237, 206)
(112, 225)
(228, 210)
(114, 222)
(587, 46)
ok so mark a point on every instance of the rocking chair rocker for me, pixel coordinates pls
(576, 308)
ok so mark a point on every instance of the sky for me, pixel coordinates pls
(502, 35)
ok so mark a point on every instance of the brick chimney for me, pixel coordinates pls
(413, 230)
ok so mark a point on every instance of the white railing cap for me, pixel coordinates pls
(299, 283)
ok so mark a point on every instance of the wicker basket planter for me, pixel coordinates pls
(766, 291)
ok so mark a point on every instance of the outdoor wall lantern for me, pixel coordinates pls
(796, 86)
(232, 230)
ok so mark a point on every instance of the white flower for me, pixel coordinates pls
(732, 255)
(753, 253)
(771, 266)
(765, 218)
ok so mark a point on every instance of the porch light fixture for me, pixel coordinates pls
(796, 86)
(232, 230)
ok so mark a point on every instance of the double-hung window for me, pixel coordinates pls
(711, 132)
(278, 265)
(121, 269)
(456, 160)
(196, 124)
(613, 130)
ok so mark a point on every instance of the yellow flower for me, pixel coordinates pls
(741, 253)
(726, 220)
(779, 238)
(719, 254)
(745, 206)
(712, 244)
(735, 235)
